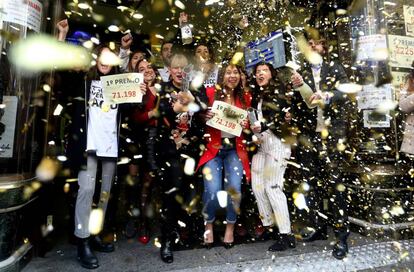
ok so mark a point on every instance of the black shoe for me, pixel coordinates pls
(166, 252)
(228, 245)
(85, 255)
(99, 245)
(284, 242)
(340, 250)
(320, 234)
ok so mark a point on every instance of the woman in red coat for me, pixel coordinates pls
(224, 151)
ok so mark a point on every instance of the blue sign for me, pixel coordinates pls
(270, 49)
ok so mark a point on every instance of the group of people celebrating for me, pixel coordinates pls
(301, 119)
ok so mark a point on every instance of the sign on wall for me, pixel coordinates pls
(371, 47)
(8, 126)
(122, 88)
(27, 13)
(401, 51)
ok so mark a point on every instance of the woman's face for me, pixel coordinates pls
(135, 58)
(176, 69)
(263, 75)
(231, 77)
(102, 68)
(202, 54)
(145, 68)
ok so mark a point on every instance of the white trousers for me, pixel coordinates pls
(268, 167)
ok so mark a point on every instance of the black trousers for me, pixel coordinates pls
(326, 181)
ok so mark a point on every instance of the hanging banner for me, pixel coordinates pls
(401, 51)
(122, 88)
(7, 126)
(27, 13)
(227, 118)
(409, 20)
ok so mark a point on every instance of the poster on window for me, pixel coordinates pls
(371, 97)
(371, 47)
(401, 51)
(26, 13)
(122, 88)
(409, 20)
(8, 118)
(227, 118)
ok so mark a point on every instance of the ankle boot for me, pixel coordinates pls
(283, 242)
(99, 245)
(166, 252)
(86, 257)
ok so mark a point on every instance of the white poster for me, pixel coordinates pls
(7, 126)
(401, 51)
(409, 20)
(227, 118)
(122, 88)
(373, 119)
(372, 47)
(27, 13)
(371, 97)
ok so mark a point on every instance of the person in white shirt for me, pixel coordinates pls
(166, 53)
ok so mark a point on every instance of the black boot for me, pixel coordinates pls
(318, 234)
(99, 245)
(166, 252)
(85, 255)
(283, 242)
(340, 250)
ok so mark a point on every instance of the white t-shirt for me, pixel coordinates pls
(211, 80)
(164, 73)
(102, 133)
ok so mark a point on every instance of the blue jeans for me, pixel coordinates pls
(213, 182)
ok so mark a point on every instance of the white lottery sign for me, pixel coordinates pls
(401, 51)
(26, 13)
(227, 118)
(122, 88)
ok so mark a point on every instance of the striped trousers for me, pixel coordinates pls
(268, 167)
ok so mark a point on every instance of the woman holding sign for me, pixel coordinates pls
(98, 135)
(225, 150)
(270, 161)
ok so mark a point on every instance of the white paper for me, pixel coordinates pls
(374, 120)
(409, 20)
(227, 118)
(122, 88)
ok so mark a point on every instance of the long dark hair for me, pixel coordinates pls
(210, 51)
(274, 82)
(238, 92)
(129, 67)
(136, 70)
(94, 73)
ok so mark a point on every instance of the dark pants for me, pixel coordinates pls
(326, 183)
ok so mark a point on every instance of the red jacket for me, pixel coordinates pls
(214, 141)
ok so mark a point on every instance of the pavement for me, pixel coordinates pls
(365, 254)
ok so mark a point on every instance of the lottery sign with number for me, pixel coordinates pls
(401, 51)
(122, 88)
(227, 118)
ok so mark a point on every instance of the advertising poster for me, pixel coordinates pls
(27, 13)
(371, 97)
(370, 47)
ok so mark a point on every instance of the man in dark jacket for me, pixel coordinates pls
(323, 123)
